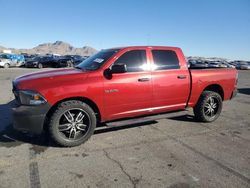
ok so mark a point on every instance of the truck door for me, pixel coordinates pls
(171, 82)
(129, 94)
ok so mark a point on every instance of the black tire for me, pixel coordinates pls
(40, 65)
(205, 110)
(59, 121)
(6, 65)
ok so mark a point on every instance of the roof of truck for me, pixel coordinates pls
(134, 47)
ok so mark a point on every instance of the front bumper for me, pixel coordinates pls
(30, 118)
(31, 65)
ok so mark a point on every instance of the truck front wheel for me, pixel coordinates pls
(72, 123)
(209, 107)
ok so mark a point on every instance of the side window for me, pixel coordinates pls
(134, 60)
(165, 59)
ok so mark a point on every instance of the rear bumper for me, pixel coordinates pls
(234, 93)
(30, 118)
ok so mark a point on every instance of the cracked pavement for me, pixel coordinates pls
(174, 152)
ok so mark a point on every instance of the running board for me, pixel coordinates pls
(146, 119)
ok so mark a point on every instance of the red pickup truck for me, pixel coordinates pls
(115, 85)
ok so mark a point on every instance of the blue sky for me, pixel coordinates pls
(204, 28)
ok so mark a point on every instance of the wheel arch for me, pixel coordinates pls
(88, 101)
(215, 88)
(7, 63)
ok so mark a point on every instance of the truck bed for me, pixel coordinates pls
(224, 78)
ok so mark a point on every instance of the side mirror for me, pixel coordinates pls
(118, 68)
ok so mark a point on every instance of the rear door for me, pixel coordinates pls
(170, 81)
(129, 94)
(47, 62)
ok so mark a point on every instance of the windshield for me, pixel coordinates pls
(96, 61)
(36, 58)
(3, 56)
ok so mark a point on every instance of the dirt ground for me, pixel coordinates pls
(176, 152)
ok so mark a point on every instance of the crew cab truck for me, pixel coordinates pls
(115, 85)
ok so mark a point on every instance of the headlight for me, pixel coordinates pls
(31, 98)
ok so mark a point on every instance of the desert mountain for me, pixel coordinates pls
(58, 47)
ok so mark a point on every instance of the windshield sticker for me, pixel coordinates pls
(98, 60)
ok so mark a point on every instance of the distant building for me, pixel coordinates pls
(7, 51)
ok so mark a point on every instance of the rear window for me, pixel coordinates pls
(165, 59)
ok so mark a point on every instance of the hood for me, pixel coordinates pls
(37, 80)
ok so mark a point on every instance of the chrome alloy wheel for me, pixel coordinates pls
(211, 107)
(74, 124)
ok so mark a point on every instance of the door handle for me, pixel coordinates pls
(143, 79)
(181, 77)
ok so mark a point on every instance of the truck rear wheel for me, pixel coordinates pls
(72, 123)
(209, 107)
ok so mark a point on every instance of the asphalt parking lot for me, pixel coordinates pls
(174, 153)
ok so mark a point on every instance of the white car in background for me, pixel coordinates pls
(245, 66)
(11, 60)
(6, 63)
